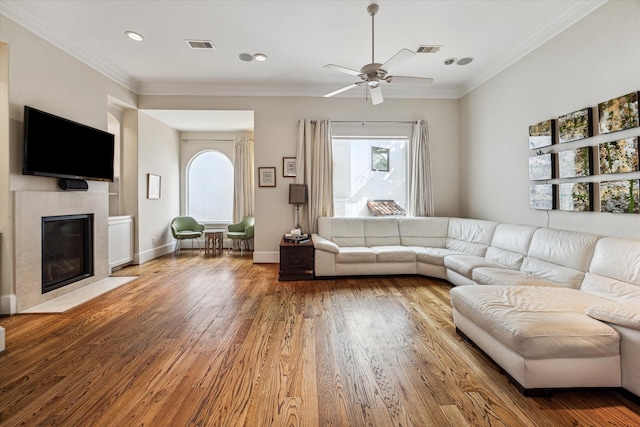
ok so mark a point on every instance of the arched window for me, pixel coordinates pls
(210, 188)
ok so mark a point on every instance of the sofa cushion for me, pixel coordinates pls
(434, 256)
(423, 231)
(465, 264)
(610, 289)
(470, 236)
(614, 272)
(569, 249)
(381, 232)
(625, 313)
(510, 244)
(558, 274)
(355, 255)
(537, 322)
(394, 254)
(345, 232)
(617, 258)
(505, 277)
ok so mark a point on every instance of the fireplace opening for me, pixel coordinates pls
(67, 250)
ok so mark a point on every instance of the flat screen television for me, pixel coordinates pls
(61, 148)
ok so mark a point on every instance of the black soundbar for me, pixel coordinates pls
(69, 184)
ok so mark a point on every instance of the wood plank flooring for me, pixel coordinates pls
(220, 342)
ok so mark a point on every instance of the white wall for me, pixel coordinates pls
(275, 134)
(43, 76)
(158, 154)
(595, 60)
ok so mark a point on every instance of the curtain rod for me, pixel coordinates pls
(207, 140)
(369, 121)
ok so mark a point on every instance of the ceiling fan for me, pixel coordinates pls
(374, 73)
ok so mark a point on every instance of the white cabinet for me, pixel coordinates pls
(120, 240)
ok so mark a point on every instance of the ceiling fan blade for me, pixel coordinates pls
(344, 89)
(343, 69)
(402, 56)
(412, 81)
(376, 95)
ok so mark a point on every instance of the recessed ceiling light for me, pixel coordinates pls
(465, 61)
(260, 57)
(449, 61)
(246, 57)
(134, 36)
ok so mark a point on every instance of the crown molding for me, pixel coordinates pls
(571, 13)
(15, 12)
(559, 22)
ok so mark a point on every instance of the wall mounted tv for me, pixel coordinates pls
(61, 148)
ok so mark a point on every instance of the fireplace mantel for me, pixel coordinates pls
(29, 209)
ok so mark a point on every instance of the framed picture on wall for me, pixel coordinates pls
(542, 196)
(267, 177)
(576, 125)
(541, 134)
(619, 113)
(153, 186)
(620, 196)
(575, 163)
(576, 196)
(289, 167)
(541, 167)
(619, 156)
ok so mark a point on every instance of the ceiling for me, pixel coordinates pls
(299, 37)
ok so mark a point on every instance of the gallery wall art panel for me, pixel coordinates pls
(576, 125)
(541, 134)
(620, 196)
(619, 156)
(576, 196)
(575, 163)
(541, 167)
(542, 196)
(619, 113)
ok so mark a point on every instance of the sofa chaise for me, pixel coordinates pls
(554, 308)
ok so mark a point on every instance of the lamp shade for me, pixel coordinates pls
(297, 194)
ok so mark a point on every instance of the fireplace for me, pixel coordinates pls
(67, 250)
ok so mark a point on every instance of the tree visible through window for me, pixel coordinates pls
(369, 176)
(210, 188)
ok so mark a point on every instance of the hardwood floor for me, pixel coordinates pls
(220, 342)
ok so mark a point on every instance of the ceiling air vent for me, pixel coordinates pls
(428, 49)
(200, 44)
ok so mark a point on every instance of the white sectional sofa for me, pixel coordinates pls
(554, 308)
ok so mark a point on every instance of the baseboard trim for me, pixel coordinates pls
(153, 253)
(8, 304)
(264, 257)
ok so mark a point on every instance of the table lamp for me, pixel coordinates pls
(297, 196)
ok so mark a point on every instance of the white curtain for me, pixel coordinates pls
(244, 187)
(420, 201)
(315, 169)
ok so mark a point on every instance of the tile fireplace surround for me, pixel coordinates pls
(30, 208)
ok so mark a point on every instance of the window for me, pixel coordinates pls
(210, 188)
(369, 176)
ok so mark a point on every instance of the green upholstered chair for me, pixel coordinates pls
(241, 231)
(186, 227)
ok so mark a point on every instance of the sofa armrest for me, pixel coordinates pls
(623, 313)
(324, 244)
